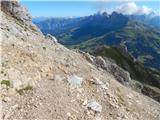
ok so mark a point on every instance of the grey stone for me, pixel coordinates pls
(95, 106)
(17, 11)
(75, 81)
(58, 78)
(100, 61)
(48, 36)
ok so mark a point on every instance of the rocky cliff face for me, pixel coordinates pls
(41, 79)
(17, 11)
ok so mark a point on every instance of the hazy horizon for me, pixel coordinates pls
(85, 8)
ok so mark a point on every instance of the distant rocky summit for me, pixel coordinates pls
(41, 79)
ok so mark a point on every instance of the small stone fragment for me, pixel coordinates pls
(58, 78)
(48, 36)
(100, 61)
(75, 81)
(84, 102)
(93, 105)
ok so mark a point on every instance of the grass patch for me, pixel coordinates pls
(121, 98)
(6, 82)
(2, 72)
(22, 90)
(44, 48)
(118, 89)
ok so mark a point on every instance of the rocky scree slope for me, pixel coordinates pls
(41, 79)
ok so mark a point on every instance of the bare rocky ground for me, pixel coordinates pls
(41, 79)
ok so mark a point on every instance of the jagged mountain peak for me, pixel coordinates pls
(41, 79)
(116, 14)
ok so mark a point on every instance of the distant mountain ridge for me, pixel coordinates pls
(137, 33)
(151, 20)
(55, 25)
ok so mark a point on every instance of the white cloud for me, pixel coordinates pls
(131, 8)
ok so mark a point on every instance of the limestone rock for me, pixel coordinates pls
(100, 61)
(48, 36)
(120, 74)
(96, 81)
(95, 106)
(58, 78)
(88, 57)
(75, 81)
(17, 11)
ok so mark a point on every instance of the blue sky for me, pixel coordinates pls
(84, 8)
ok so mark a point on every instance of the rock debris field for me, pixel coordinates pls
(41, 79)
